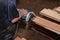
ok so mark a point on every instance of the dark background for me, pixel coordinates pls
(37, 5)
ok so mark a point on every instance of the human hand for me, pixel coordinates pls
(22, 12)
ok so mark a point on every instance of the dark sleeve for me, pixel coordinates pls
(12, 11)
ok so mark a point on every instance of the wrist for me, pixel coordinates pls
(19, 17)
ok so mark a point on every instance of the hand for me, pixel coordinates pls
(22, 12)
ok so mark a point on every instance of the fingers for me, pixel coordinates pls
(23, 12)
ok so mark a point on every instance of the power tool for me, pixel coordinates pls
(29, 15)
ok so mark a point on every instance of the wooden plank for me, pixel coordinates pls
(47, 24)
(18, 38)
(57, 9)
(51, 14)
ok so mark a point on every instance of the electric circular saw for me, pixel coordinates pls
(29, 15)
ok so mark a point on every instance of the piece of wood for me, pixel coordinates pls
(51, 14)
(18, 38)
(47, 24)
(57, 9)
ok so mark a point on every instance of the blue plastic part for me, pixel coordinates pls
(24, 17)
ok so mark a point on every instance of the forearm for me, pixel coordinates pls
(23, 13)
(15, 20)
